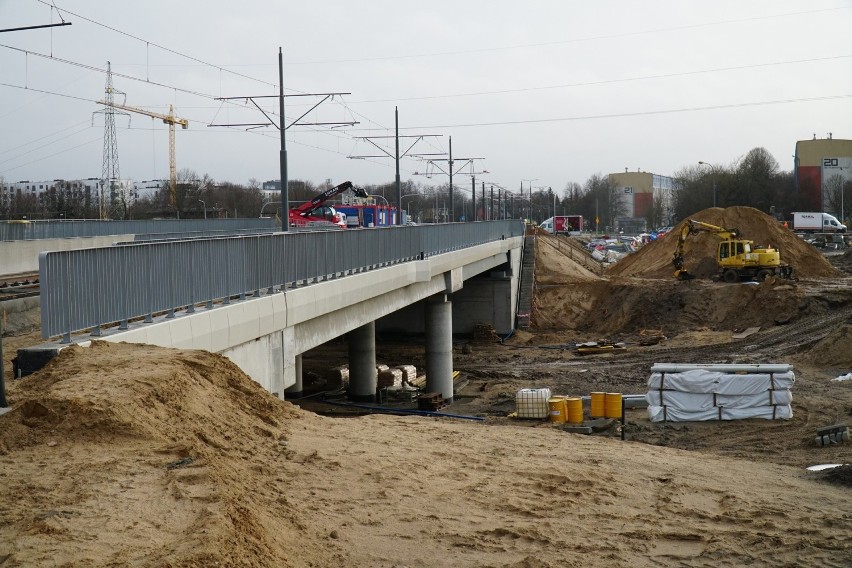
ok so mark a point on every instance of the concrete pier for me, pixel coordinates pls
(439, 346)
(295, 390)
(362, 363)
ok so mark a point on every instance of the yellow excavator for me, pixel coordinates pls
(738, 259)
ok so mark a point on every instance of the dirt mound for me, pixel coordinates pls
(655, 259)
(559, 260)
(570, 297)
(130, 451)
(630, 305)
(565, 284)
(833, 351)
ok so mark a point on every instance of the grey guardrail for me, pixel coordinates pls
(88, 288)
(60, 229)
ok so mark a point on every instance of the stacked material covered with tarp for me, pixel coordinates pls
(685, 392)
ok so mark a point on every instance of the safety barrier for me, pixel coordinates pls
(89, 288)
(69, 228)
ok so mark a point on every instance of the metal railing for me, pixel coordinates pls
(90, 288)
(62, 229)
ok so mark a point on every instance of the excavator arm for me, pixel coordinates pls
(692, 227)
(680, 271)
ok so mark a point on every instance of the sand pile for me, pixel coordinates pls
(137, 455)
(655, 259)
(125, 455)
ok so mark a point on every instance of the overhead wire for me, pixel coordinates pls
(19, 145)
(612, 81)
(98, 139)
(634, 114)
(496, 48)
(172, 51)
(581, 39)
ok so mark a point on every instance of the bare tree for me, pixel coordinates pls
(837, 191)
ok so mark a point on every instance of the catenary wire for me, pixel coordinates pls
(578, 40)
(220, 68)
(611, 81)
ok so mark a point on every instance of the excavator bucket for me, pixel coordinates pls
(683, 275)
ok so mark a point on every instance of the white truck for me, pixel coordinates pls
(815, 222)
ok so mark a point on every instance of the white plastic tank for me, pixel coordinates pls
(532, 403)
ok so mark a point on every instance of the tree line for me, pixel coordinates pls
(754, 180)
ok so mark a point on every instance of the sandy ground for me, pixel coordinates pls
(125, 455)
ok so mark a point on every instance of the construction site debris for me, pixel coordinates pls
(431, 401)
(742, 334)
(483, 332)
(833, 434)
(598, 347)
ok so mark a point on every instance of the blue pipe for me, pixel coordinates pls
(404, 411)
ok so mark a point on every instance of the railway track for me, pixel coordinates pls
(13, 286)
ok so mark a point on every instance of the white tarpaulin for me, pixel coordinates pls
(705, 401)
(670, 414)
(704, 381)
(679, 392)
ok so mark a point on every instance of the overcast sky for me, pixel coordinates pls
(548, 91)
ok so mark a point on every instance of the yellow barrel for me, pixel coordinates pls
(556, 409)
(574, 410)
(612, 405)
(598, 406)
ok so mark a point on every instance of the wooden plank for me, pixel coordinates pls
(746, 332)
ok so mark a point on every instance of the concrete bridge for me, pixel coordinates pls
(263, 300)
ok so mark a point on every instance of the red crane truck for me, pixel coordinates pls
(315, 213)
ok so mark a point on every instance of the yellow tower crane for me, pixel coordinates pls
(171, 120)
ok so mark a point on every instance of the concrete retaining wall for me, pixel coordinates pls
(17, 257)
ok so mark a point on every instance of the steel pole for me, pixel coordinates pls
(285, 204)
(473, 194)
(452, 208)
(398, 182)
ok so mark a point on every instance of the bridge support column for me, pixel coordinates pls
(295, 390)
(362, 363)
(439, 346)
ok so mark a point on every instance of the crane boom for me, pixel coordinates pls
(171, 120)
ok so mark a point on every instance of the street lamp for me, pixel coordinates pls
(383, 197)
(712, 178)
(408, 207)
(203, 204)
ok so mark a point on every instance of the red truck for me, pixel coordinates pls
(563, 224)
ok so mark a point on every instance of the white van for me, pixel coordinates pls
(547, 225)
